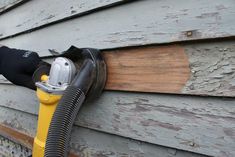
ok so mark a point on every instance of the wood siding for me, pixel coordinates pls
(38, 13)
(145, 22)
(87, 142)
(6, 5)
(144, 45)
(203, 68)
(197, 124)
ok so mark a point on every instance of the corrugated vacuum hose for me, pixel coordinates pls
(60, 129)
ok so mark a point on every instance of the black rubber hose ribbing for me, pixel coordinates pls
(61, 125)
(90, 79)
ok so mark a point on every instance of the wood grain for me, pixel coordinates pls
(148, 69)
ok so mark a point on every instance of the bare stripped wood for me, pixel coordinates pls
(148, 69)
(197, 124)
(37, 13)
(6, 5)
(137, 23)
(89, 143)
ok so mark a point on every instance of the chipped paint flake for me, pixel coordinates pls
(11, 149)
(213, 66)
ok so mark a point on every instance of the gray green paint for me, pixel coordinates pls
(88, 142)
(137, 23)
(202, 125)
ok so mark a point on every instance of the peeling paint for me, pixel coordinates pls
(230, 132)
(11, 149)
(85, 142)
(39, 16)
(213, 66)
(151, 122)
(190, 122)
(208, 15)
(170, 26)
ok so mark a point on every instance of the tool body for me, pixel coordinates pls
(75, 76)
(49, 92)
(48, 104)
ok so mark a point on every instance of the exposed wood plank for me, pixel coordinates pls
(89, 143)
(137, 23)
(148, 69)
(197, 124)
(204, 68)
(37, 13)
(6, 5)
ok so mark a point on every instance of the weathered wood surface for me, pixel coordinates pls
(197, 124)
(206, 68)
(212, 67)
(22, 140)
(37, 13)
(16, 136)
(186, 123)
(6, 5)
(90, 143)
(137, 23)
(9, 148)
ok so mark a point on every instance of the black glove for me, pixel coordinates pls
(18, 66)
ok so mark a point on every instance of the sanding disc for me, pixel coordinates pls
(43, 69)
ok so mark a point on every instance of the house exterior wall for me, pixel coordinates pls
(126, 120)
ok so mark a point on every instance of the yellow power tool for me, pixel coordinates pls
(75, 76)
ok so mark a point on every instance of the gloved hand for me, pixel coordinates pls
(18, 66)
